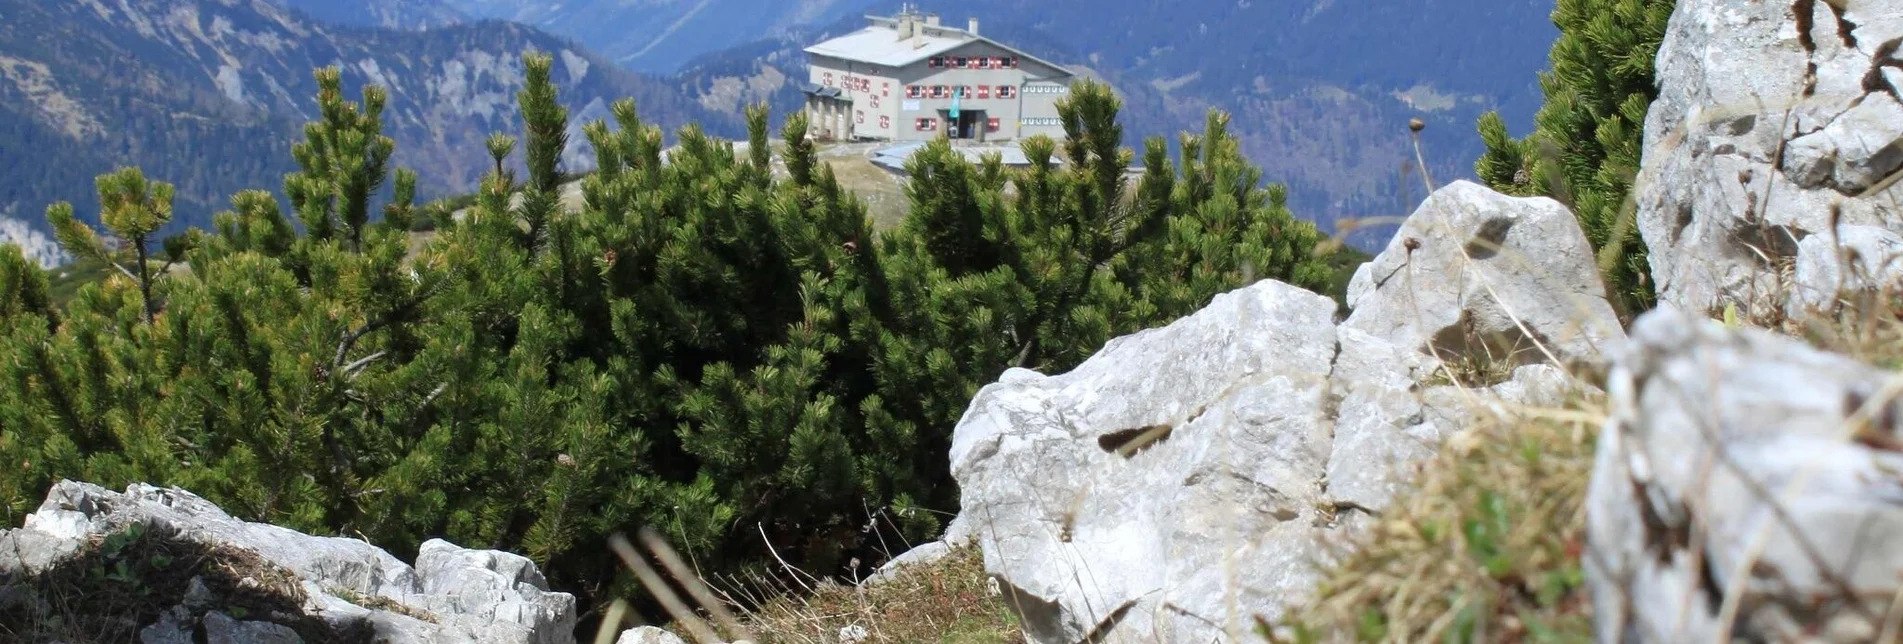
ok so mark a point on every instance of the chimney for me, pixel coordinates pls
(931, 20)
(973, 28)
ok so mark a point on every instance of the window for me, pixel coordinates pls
(981, 62)
(926, 124)
(998, 62)
(936, 61)
(1040, 122)
(1007, 91)
(984, 91)
(1011, 62)
(914, 91)
(961, 62)
(939, 91)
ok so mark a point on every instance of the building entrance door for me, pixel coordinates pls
(967, 124)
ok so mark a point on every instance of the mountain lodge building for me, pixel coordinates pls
(909, 78)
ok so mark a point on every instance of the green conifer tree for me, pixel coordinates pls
(132, 208)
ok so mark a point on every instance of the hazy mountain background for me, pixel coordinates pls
(659, 36)
(390, 14)
(211, 93)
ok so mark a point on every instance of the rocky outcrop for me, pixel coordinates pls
(1742, 470)
(452, 594)
(648, 635)
(1472, 264)
(1776, 141)
(1187, 479)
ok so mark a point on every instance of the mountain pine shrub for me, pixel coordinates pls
(734, 359)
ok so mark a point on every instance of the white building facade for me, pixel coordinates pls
(909, 78)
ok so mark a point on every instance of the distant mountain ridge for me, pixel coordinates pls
(210, 94)
(659, 36)
(388, 14)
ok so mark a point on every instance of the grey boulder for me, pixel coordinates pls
(451, 595)
(1742, 466)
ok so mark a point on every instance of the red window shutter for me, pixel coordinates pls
(984, 91)
(993, 124)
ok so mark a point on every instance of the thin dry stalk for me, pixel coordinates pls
(662, 592)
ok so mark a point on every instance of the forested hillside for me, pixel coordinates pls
(208, 94)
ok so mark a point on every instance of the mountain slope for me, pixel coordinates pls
(211, 93)
(390, 14)
(658, 36)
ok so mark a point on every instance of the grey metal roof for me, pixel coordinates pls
(881, 45)
(830, 92)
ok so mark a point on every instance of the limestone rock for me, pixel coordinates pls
(1138, 545)
(923, 555)
(648, 635)
(222, 629)
(1856, 259)
(1721, 442)
(467, 595)
(1766, 121)
(1187, 479)
(1474, 265)
(174, 627)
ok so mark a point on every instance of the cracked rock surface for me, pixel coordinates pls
(1771, 115)
(1185, 479)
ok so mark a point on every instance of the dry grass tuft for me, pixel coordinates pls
(1487, 549)
(1868, 326)
(950, 601)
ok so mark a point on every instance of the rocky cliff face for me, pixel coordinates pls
(1775, 144)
